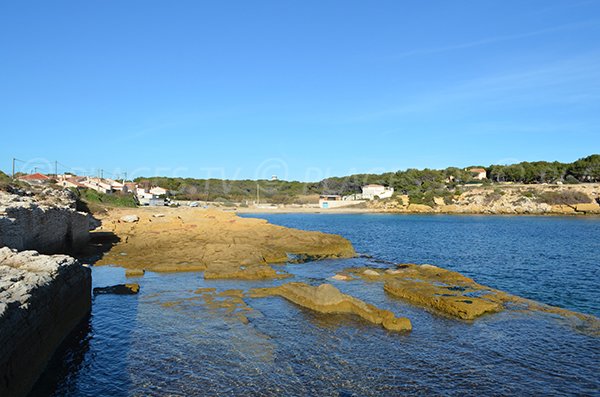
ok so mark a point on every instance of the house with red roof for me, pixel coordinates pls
(36, 178)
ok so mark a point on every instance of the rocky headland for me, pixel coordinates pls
(42, 299)
(504, 199)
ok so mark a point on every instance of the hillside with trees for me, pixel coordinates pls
(420, 185)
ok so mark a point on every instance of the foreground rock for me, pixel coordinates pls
(328, 299)
(42, 299)
(458, 296)
(46, 222)
(220, 243)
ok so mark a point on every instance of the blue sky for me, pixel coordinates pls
(301, 89)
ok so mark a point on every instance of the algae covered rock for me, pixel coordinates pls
(327, 299)
(134, 272)
(456, 295)
(430, 286)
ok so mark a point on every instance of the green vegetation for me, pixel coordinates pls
(89, 200)
(565, 197)
(583, 170)
(420, 185)
(4, 181)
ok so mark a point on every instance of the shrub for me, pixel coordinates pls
(528, 193)
(571, 180)
(564, 197)
(491, 197)
(90, 196)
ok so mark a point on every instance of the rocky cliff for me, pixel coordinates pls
(42, 299)
(46, 222)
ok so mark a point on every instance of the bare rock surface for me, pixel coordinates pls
(327, 299)
(46, 222)
(220, 243)
(42, 299)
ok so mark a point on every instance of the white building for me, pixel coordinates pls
(370, 192)
(98, 185)
(159, 191)
(478, 173)
(328, 201)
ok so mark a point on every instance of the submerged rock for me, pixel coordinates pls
(328, 299)
(134, 272)
(341, 277)
(42, 299)
(119, 289)
(458, 296)
(250, 272)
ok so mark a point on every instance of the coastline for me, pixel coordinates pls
(358, 211)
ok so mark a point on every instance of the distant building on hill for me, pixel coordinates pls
(372, 191)
(35, 179)
(159, 191)
(478, 173)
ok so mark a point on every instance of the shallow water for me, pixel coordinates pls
(137, 345)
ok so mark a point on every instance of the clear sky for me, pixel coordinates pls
(301, 89)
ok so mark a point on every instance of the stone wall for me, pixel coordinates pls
(46, 222)
(42, 299)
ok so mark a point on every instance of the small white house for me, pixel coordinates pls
(370, 192)
(97, 184)
(478, 173)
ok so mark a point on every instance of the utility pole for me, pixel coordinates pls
(13, 174)
(124, 177)
(55, 169)
(101, 174)
(257, 193)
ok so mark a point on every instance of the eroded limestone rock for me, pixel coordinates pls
(129, 218)
(46, 222)
(42, 299)
(328, 299)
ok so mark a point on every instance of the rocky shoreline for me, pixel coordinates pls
(220, 244)
(43, 298)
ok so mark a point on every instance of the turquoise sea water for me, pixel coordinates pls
(138, 346)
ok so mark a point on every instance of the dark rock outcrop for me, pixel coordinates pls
(119, 289)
